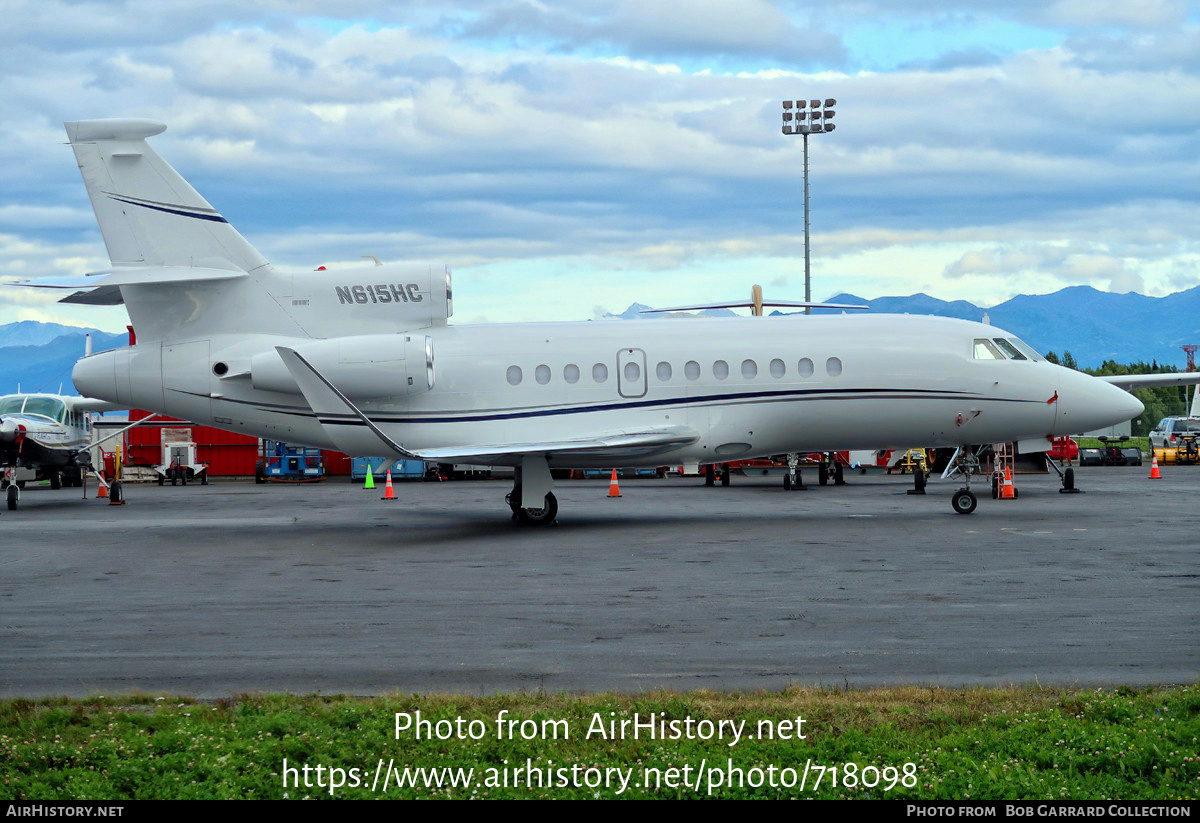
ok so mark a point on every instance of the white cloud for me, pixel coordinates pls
(637, 148)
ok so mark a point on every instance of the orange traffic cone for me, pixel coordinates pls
(388, 494)
(1006, 492)
(613, 489)
(103, 492)
(1154, 473)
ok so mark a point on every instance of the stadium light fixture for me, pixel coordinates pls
(805, 117)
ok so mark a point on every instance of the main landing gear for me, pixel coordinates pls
(964, 500)
(531, 501)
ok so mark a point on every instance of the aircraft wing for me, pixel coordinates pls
(613, 446)
(345, 422)
(746, 304)
(1129, 382)
(91, 404)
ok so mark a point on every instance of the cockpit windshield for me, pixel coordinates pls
(1029, 351)
(49, 407)
(1009, 349)
(1004, 348)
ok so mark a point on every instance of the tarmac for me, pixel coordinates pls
(217, 590)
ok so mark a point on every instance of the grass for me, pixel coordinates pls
(1013, 743)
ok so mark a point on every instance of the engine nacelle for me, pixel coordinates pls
(362, 367)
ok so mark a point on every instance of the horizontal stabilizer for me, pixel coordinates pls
(102, 288)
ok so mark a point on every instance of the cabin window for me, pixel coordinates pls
(633, 372)
(542, 374)
(600, 372)
(514, 375)
(571, 373)
(663, 371)
(805, 368)
(12, 405)
(833, 367)
(749, 369)
(777, 368)
(720, 370)
(986, 350)
(691, 370)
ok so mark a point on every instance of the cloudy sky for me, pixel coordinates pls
(568, 158)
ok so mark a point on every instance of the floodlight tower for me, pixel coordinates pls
(804, 118)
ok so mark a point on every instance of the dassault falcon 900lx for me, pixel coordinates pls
(363, 360)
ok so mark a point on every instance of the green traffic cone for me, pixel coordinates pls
(370, 484)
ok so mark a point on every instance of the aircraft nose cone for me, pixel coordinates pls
(1088, 403)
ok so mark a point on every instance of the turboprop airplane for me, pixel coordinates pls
(47, 433)
(364, 360)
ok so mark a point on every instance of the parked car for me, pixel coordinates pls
(1169, 430)
(1176, 440)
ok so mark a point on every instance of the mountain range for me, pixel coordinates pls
(1092, 325)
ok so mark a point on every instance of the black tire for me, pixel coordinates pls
(725, 476)
(787, 481)
(115, 493)
(839, 476)
(56, 481)
(995, 487)
(710, 475)
(919, 481)
(14, 493)
(513, 499)
(162, 480)
(1069, 480)
(539, 517)
(823, 474)
(964, 501)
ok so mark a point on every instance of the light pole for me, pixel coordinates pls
(804, 118)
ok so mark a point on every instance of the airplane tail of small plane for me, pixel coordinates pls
(148, 214)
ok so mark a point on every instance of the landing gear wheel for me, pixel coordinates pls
(787, 481)
(823, 474)
(513, 499)
(115, 494)
(1068, 483)
(161, 479)
(540, 517)
(14, 494)
(839, 474)
(919, 478)
(725, 476)
(964, 501)
(710, 475)
(56, 482)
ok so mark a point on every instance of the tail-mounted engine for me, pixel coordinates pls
(361, 367)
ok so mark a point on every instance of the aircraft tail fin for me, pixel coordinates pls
(148, 214)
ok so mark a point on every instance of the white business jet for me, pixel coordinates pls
(363, 360)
